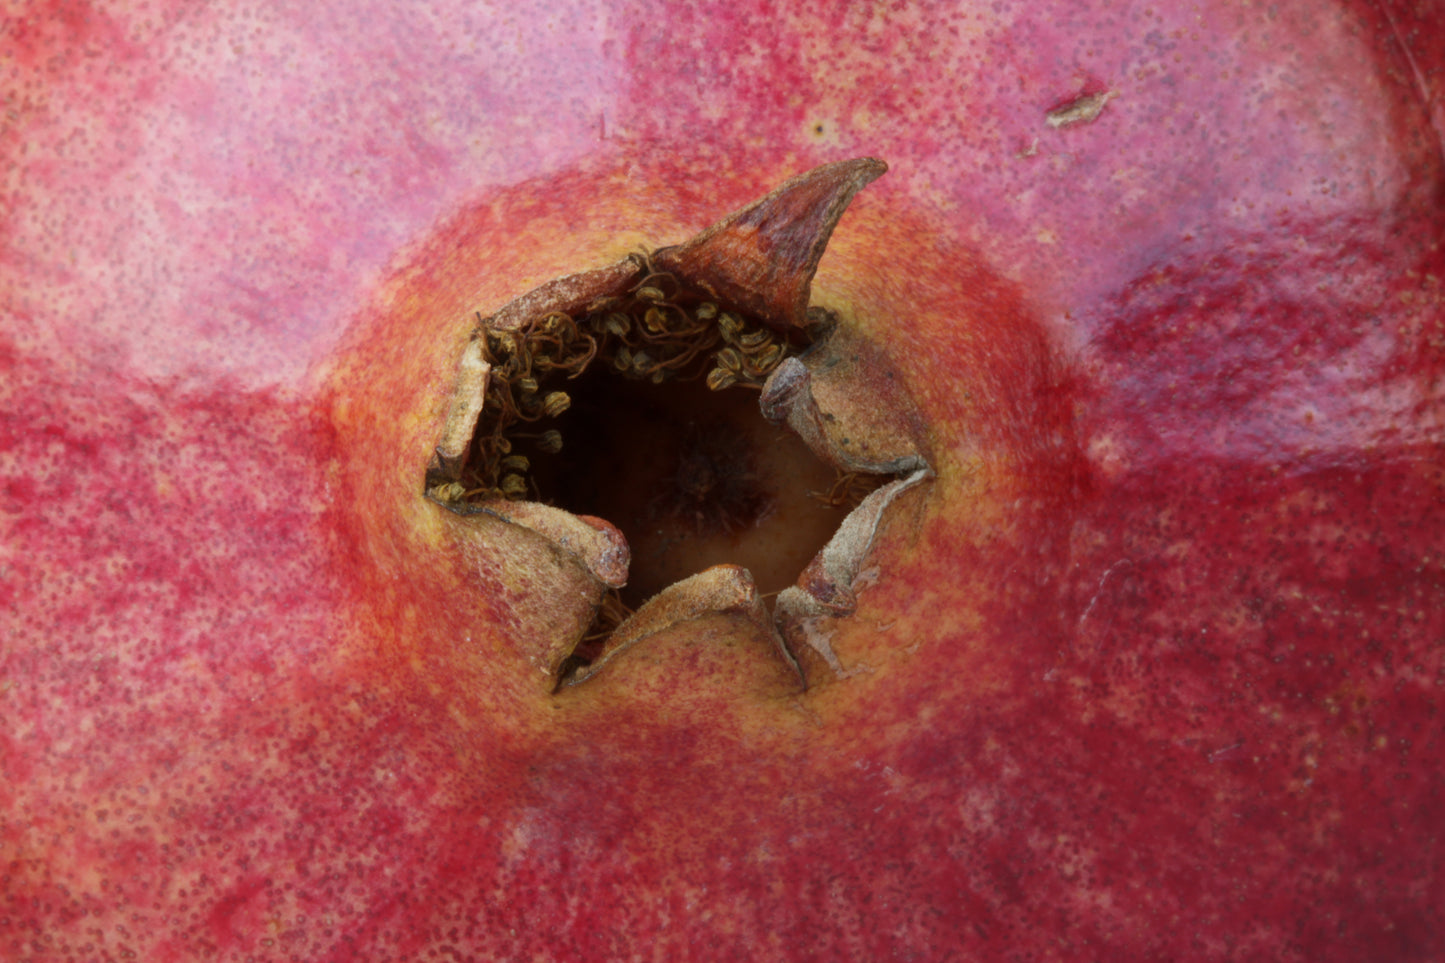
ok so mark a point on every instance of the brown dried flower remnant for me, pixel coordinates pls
(730, 307)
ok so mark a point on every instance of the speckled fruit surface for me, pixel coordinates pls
(1151, 670)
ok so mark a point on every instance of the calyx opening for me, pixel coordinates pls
(670, 394)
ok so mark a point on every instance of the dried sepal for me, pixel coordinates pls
(762, 258)
(843, 402)
(538, 552)
(846, 406)
(468, 395)
(720, 590)
(825, 590)
(594, 542)
(570, 296)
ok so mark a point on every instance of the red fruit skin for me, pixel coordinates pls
(1152, 672)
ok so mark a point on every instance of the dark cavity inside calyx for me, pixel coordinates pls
(692, 477)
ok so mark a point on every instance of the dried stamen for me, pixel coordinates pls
(659, 332)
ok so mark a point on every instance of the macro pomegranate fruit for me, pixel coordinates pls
(1055, 573)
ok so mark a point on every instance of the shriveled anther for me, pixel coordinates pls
(501, 344)
(555, 403)
(730, 326)
(449, 492)
(760, 364)
(720, 378)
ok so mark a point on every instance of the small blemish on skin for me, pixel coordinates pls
(1081, 110)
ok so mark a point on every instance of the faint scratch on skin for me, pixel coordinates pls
(822, 643)
(798, 705)
(1218, 753)
(1100, 589)
(1421, 88)
(867, 577)
(909, 649)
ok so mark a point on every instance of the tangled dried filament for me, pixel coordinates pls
(659, 332)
